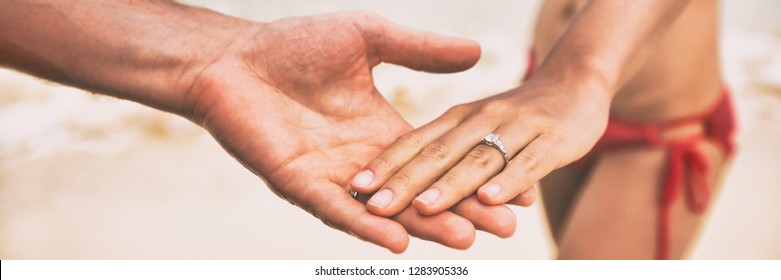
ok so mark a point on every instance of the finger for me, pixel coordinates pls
(450, 229)
(498, 220)
(477, 167)
(336, 208)
(446, 228)
(420, 172)
(526, 198)
(527, 168)
(404, 149)
(418, 50)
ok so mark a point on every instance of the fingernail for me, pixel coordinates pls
(429, 197)
(382, 198)
(363, 179)
(492, 190)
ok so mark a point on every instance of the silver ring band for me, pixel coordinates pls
(493, 140)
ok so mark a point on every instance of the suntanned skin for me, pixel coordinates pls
(597, 58)
(551, 120)
(612, 211)
(308, 80)
(293, 99)
(682, 75)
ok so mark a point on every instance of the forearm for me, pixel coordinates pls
(146, 51)
(609, 41)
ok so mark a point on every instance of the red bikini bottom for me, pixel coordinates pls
(683, 156)
(718, 124)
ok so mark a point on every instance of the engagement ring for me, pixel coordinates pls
(492, 140)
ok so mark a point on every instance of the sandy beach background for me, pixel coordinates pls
(84, 176)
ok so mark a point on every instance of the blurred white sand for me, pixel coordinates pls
(85, 176)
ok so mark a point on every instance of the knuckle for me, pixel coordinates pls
(457, 110)
(527, 162)
(450, 183)
(364, 15)
(383, 162)
(400, 182)
(371, 25)
(410, 140)
(552, 133)
(481, 157)
(436, 151)
(392, 158)
(551, 128)
(372, 15)
(494, 107)
(447, 182)
(513, 177)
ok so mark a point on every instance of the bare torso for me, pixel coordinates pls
(611, 210)
(681, 78)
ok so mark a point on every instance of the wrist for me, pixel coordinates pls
(194, 41)
(145, 51)
(218, 75)
(577, 75)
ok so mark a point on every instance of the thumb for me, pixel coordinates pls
(415, 49)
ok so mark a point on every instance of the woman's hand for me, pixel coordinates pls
(543, 125)
(550, 121)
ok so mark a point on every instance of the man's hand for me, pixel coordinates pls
(295, 102)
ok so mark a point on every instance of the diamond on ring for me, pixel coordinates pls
(354, 194)
(492, 139)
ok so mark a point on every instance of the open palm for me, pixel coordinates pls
(295, 102)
